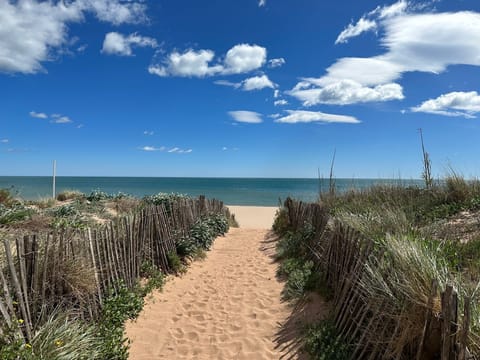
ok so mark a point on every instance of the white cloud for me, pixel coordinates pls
(246, 116)
(281, 102)
(175, 149)
(276, 93)
(148, 132)
(300, 116)
(32, 32)
(191, 63)
(345, 92)
(224, 148)
(427, 42)
(38, 115)
(464, 104)
(249, 84)
(369, 22)
(4, 141)
(239, 59)
(273, 63)
(59, 119)
(274, 116)
(244, 58)
(152, 148)
(257, 83)
(179, 151)
(351, 30)
(227, 83)
(118, 44)
(262, 3)
(115, 11)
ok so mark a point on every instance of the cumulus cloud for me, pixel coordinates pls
(239, 59)
(257, 83)
(191, 63)
(116, 12)
(32, 32)
(345, 92)
(246, 116)
(118, 44)
(38, 115)
(425, 42)
(457, 103)
(273, 63)
(249, 84)
(281, 102)
(301, 116)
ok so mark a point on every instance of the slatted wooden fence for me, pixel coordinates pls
(74, 269)
(346, 258)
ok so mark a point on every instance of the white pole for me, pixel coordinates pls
(54, 175)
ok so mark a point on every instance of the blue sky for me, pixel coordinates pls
(239, 88)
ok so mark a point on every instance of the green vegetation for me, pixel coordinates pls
(419, 235)
(322, 342)
(61, 333)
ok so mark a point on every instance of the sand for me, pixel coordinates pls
(254, 217)
(228, 306)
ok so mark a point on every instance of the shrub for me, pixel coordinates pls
(281, 224)
(15, 213)
(293, 244)
(165, 199)
(322, 342)
(119, 306)
(98, 195)
(174, 263)
(69, 195)
(6, 197)
(300, 279)
(186, 246)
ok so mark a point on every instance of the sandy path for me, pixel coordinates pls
(225, 307)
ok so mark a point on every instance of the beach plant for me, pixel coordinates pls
(165, 199)
(14, 213)
(281, 222)
(69, 195)
(98, 195)
(300, 278)
(175, 263)
(120, 305)
(322, 342)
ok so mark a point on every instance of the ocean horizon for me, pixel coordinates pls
(232, 191)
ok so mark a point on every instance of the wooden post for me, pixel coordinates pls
(463, 341)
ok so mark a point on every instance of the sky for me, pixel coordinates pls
(228, 88)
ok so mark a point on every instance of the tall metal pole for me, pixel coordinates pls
(54, 175)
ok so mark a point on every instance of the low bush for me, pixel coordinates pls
(14, 213)
(175, 263)
(322, 342)
(300, 278)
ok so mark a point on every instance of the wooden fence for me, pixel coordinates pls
(435, 327)
(74, 269)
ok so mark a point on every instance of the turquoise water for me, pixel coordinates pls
(232, 191)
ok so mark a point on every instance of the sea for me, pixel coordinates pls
(232, 191)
